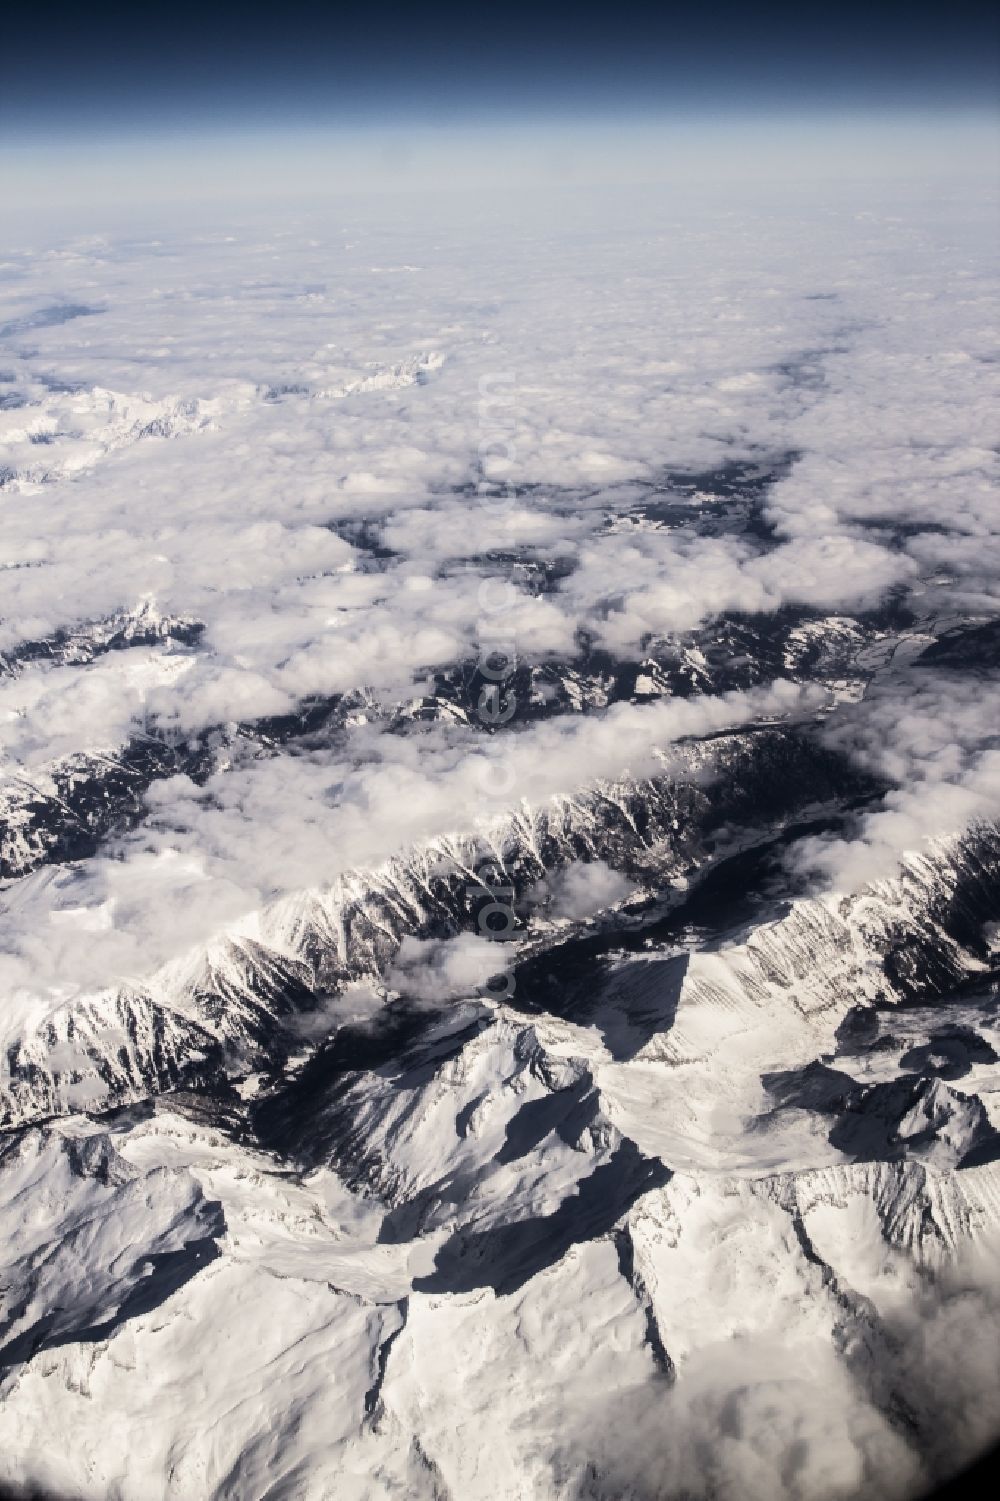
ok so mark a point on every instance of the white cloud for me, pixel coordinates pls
(219, 481)
(447, 969)
(936, 737)
(209, 438)
(581, 890)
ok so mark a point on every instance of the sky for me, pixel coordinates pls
(91, 67)
(113, 105)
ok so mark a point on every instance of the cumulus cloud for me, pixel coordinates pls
(355, 450)
(751, 1421)
(446, 969)
(581, 890)
(212, 471)
(211, 855)
(324, 464)
(937, 737)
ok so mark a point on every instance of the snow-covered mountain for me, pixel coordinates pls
(499, 970)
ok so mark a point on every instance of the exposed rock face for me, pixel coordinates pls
(630, 1133)
(229, 1010)
(601, 1133)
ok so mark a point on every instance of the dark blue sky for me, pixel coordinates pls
(119, 65)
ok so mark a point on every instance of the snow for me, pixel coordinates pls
(705, 1202)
